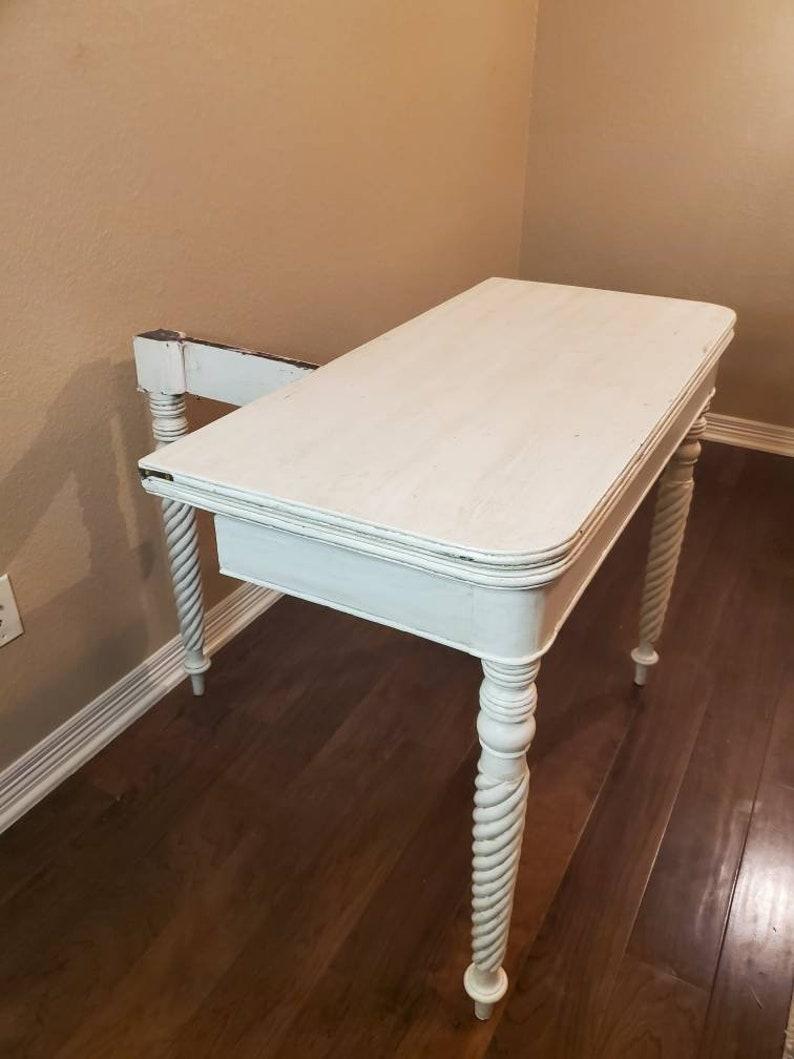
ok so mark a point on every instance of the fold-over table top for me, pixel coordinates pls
(498, 422)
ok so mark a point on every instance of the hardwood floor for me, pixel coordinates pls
(282, 868)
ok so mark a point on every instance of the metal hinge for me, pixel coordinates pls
(145, 473)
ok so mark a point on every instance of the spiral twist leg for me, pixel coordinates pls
(505, 726)
(673, 500)
(169, 422)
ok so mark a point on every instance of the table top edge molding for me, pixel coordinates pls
(495, 568)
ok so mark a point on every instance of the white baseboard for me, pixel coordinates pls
(750, 434)
(33, 775)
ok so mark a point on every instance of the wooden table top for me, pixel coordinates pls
(498, 422)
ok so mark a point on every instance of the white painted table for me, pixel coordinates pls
(462, 477)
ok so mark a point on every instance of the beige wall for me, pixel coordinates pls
(661, 159)
(290, 175)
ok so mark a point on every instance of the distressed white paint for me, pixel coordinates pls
(172, 363)
(169, 422)
(237, 376)
(160, 362)
(505, 726)
(673, 501)
(455, 429)
(462, 477)
(169, 365)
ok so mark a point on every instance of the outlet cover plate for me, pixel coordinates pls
(10, 621)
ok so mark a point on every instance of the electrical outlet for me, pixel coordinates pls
(10, 621)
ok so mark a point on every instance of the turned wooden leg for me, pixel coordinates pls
(169, 422)
(505, 725)
(673, 499)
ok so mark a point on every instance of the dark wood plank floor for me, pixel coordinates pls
(281, 868)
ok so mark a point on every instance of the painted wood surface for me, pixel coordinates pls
(170, 362)
(504, 438)
(499, 422)
(170, 365)
(169, 422)
(673, 499)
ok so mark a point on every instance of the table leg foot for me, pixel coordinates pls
(644, 657)
(196, 665)
(486, 988)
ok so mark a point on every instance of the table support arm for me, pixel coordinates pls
(505, 726)
(673, 501)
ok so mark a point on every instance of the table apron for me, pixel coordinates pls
(499, 623)
(486, 622)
